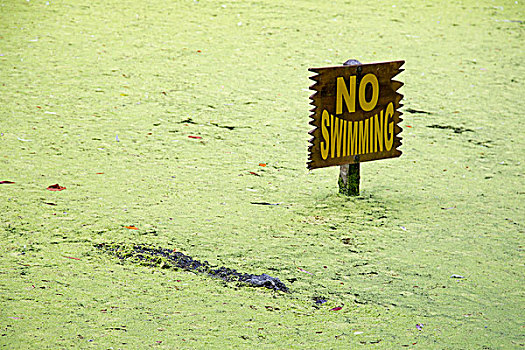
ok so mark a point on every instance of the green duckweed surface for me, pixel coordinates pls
(101, 97)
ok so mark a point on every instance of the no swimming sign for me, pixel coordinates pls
(355, 115)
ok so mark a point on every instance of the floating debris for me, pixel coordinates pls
(416, 111)
(303, 270)
(319, 300)
(55, 187)
(266, 203)
(457, 130)
(71, 257)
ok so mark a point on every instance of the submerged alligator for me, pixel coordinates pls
(167, 258)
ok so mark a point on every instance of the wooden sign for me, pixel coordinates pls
(355, 114)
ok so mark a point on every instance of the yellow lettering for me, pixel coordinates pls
(352, 138)
(326, 136)
(371, 146)
(368, 79)
(336, 135)
(345, 123)
(342, 92)
(363, 136)
(378, 131)
(389, 113)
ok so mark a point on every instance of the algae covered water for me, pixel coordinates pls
(184, 125)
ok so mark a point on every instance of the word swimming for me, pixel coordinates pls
(342, 138)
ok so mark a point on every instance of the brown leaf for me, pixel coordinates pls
(56, 187)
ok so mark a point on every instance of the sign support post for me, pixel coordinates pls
(349, 177)
(349, 174)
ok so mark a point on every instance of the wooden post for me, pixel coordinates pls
(349, 174)
(349, 178)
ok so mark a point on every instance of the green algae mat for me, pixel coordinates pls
(183, 125)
